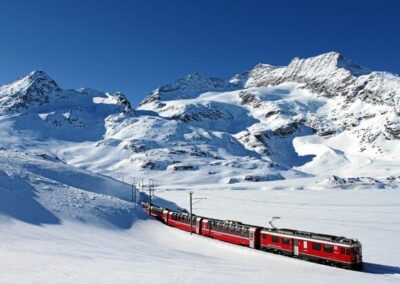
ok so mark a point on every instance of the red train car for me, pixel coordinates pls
(332, 250)
(231, 232)
(181, 221)
(156, 212)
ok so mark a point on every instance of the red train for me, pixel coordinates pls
(326, 249)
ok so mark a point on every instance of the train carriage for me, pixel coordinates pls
(157, 212)
(332, 250)
(181, 221)
(231, 232)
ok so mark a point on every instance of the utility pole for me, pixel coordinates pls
(190, 214)
(134, 191)
(191, 207)
(149, 198)
(142, 186)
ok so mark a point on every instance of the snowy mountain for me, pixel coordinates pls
(269, 123)
(269, 110)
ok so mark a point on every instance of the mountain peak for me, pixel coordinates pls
(328, 63)
(188, 87)
(33, 88)
(198, 80)
(331, 54)
(328, 57)
(38, 74)
(36, 79)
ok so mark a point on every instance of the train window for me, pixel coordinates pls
(328, 248)
(245, 232)
(275, 239)
(344, 251)
(286, 241)
(316, 246)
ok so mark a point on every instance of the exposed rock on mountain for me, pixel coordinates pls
(187, 87)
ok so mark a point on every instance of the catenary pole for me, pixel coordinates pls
(149, 198)
(190, 214)
(133, 190)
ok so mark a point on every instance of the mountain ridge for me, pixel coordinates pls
(255, 127)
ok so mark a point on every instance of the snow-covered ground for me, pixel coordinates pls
(70, 228)
(149, 251)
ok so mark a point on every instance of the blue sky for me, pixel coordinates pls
(136, 46)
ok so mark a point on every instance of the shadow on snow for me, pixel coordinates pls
(375, 268)
(18, 200)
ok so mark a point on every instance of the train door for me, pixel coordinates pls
(165, 216)
(252, 238)
(206, 227)
(198, 226)
(295, 247)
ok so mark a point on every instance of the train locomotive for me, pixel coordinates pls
(321, 248)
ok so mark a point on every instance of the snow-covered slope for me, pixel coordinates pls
(40, 189)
